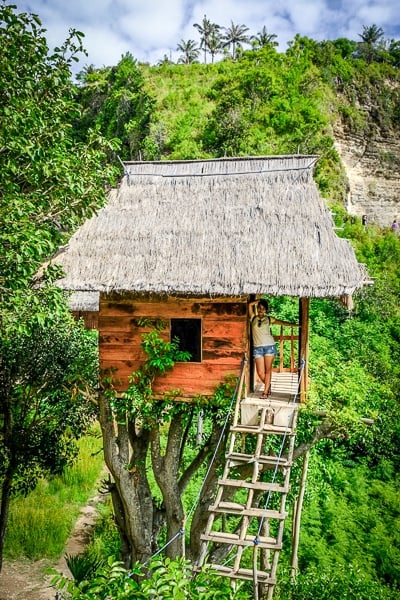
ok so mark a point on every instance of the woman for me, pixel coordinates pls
(264, 348)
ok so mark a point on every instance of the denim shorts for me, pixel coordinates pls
(260, 351)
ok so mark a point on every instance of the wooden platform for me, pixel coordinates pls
(284, 386)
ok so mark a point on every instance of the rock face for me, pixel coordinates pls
(372, 162)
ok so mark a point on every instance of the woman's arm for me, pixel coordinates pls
(251, 309)
(279, 322)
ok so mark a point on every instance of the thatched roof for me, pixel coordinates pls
(84, 301)
(224, 227)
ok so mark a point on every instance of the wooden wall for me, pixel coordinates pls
(224, 339)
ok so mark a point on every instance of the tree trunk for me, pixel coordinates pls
(139, 517)
(166, 472)
(127, 466)
(119, 515)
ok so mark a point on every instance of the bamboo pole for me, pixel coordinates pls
(297, 515)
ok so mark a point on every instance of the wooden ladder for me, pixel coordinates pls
(244, 532)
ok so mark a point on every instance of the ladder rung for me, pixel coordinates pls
(262, 402)
(239, 509)
(258, 485)
(221, 537)
(264, 459)
(254, 429)
(262, 576)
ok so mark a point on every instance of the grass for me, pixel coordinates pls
(40, 524)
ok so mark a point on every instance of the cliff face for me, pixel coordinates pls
(371, 157)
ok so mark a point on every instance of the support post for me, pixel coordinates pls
(304, 304)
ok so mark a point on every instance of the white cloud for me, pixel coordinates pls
(150, 29)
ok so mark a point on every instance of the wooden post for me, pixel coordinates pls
(304, 304)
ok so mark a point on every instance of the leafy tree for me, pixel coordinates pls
(165, 61)
(190, 51)
(394, 52)
(47, 380)
(49, 184)
(235, 36)
(116, 103)
(345, 47)
(163, 433)
(226, 130)
(372, 34)
(214, 44)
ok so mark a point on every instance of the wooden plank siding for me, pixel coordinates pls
(224, 339)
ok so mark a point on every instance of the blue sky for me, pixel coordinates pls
(151, 29)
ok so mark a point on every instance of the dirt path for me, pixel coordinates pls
(27, 580)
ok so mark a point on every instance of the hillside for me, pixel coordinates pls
(360, 112)
(365, 136)
(371, 158)
(337, 100)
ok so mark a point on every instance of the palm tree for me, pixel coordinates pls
(264, 39)
(372, 42)
(189, 50)
(235, 35)
(214, 45)
(394, 52)
(371, 34)
(165, 60)
(83, 75)
(208, 33)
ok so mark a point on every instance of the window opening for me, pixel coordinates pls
(188, 332)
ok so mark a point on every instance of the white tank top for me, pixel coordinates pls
(262, 335)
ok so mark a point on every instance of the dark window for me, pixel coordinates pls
(188, 332)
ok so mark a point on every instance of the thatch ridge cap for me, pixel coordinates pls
(271, 157)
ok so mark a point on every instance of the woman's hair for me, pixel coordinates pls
(263, 303)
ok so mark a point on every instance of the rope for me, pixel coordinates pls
(180, 533)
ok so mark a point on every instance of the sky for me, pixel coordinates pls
(152, 29)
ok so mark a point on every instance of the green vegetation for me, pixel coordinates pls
(40, 523)
(165, 579)
(57, 144)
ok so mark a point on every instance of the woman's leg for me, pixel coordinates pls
(260, 368)
(268, 362)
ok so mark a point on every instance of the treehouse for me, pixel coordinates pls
(187, 244)
(183, 246)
